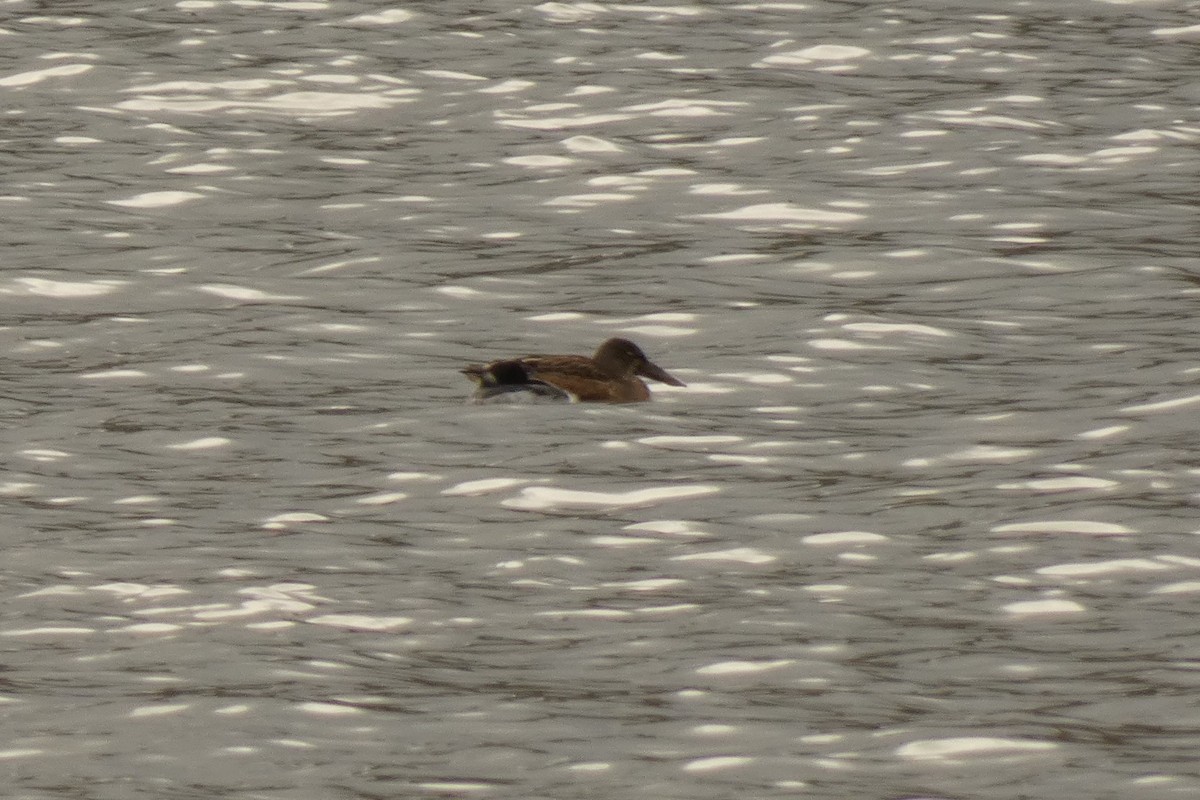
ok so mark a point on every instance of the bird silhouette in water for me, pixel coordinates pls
(613, 374)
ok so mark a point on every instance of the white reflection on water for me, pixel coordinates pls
(543, 498)
(965, 747)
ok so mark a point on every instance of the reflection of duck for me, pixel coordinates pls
(509, 382)
(609, 376)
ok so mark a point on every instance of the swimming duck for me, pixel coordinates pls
(509, 382)
(608, 376)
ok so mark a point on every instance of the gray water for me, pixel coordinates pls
(922, 525)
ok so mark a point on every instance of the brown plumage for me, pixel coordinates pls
(608, 376)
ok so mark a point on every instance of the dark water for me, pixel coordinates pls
(922, 525)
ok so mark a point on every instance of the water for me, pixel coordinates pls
(922, 524)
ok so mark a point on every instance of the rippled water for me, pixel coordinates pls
(922, 524)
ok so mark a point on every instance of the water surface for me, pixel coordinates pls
(922, 524)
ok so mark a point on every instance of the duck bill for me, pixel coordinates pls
(655, 372)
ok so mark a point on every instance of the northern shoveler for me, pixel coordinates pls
(509, 382)
(609, 376)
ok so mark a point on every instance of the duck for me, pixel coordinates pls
(509, 382)
(610, 375)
